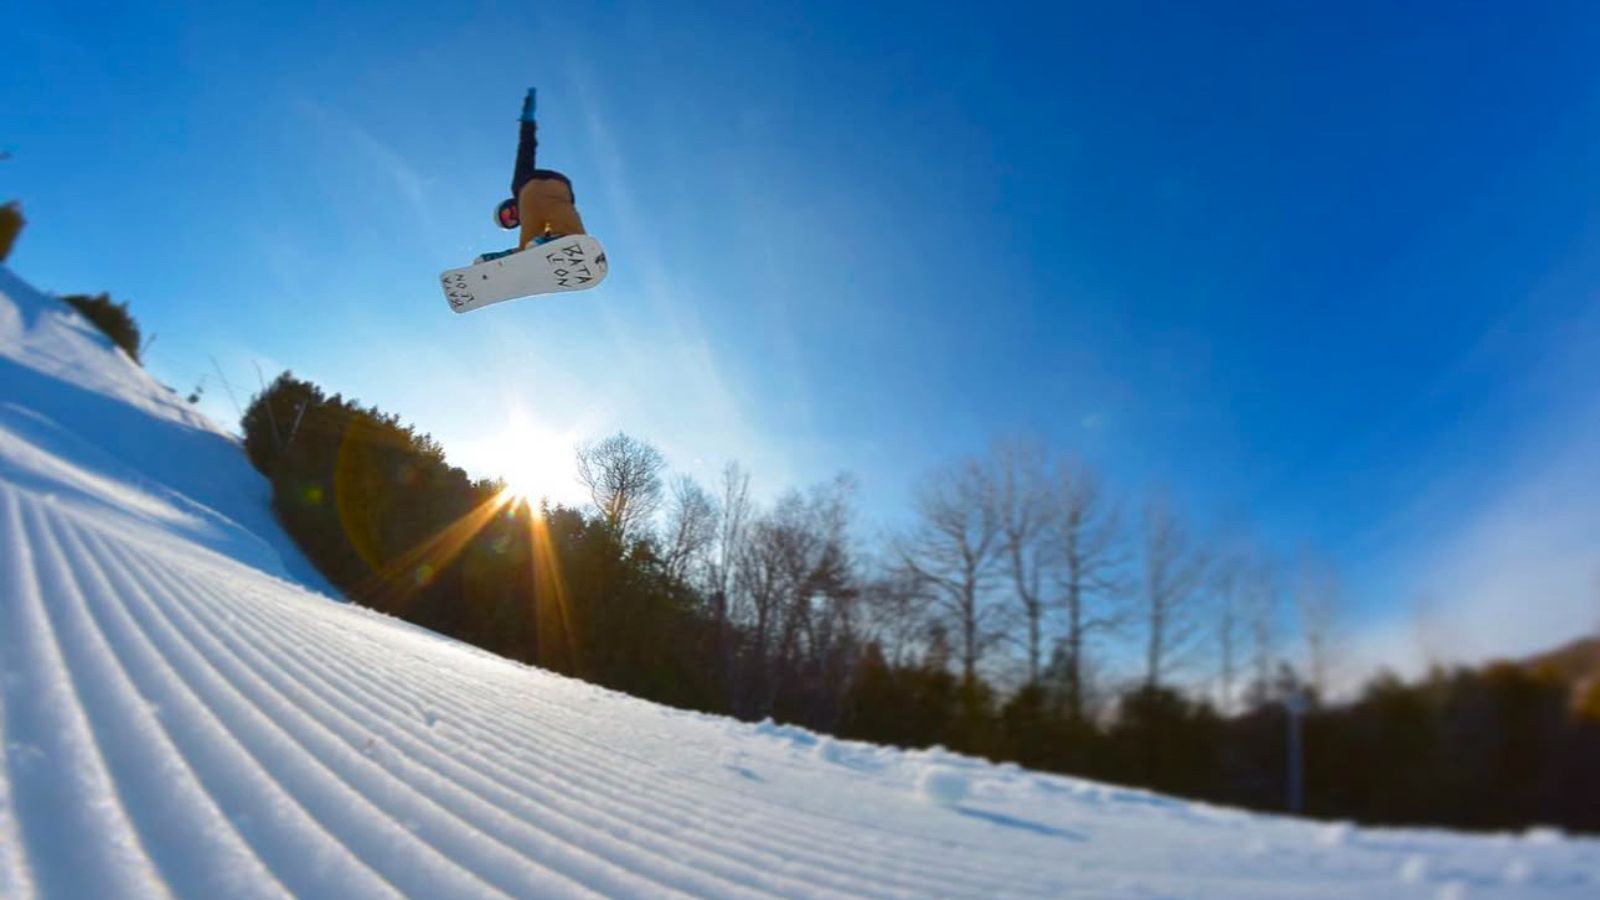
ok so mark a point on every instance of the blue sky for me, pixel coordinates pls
(1328, 272)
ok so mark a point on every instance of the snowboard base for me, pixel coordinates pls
(573, 263)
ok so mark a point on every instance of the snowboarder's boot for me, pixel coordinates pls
(495, 254)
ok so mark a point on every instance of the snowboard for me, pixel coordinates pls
(572, 263)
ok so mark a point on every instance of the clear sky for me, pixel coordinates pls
(1330, 271)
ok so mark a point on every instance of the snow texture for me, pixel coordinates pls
(184, 711)
(943, 784)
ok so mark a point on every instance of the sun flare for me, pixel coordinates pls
(535, 462)
(525, 482)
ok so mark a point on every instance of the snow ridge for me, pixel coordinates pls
(183, 714)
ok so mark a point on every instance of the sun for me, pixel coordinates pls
(535, 462)
(525, 481)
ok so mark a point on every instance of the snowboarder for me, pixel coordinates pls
(567, 257)
(542, 201)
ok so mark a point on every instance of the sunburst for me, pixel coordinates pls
(535, 462)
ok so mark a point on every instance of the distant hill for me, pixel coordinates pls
(1576, 661)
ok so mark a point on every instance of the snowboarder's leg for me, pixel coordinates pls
(544, 198)
(527, 147)
(524, 168)
(546, 207)
(529, 100)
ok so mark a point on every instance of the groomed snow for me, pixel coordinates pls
(184, 714)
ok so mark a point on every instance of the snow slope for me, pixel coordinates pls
(182, 715)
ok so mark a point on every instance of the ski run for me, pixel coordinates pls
(186, 712)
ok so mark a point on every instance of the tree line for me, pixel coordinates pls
(113, 320)
(996, 623)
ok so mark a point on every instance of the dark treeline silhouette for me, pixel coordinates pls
(11, 223)
(377, 509)
(984, 628)
(112, 318)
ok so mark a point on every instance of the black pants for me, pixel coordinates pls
(527, 147)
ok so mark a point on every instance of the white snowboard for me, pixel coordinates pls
(572, 263)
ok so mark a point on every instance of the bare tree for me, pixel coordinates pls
(759, 577)
(691, 529)
(1089, 544)
(623, 475)
(1174, 569)
(1227, 586)
(954, 549)
(1317, 603)
(733, 521)
(1258, 606)
(1595, 649)
(894, 614)
(1437, 632)
(796, 573)
(1023, 506)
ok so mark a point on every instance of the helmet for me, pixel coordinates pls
(506, 215)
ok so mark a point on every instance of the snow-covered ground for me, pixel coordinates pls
(183, 713)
